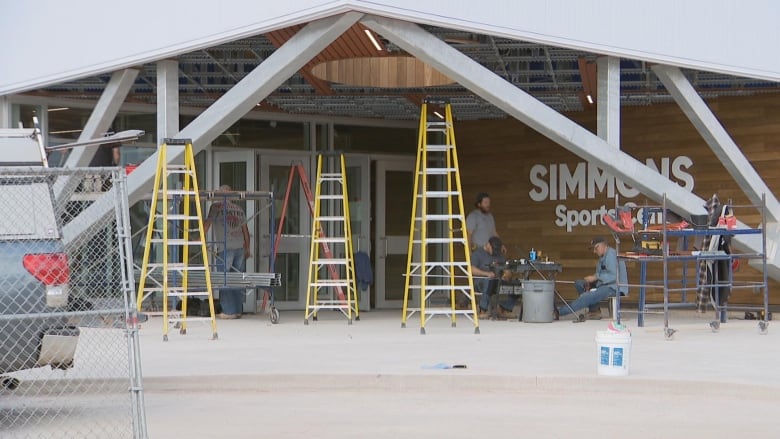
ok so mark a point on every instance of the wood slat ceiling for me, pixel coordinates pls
(351, 44)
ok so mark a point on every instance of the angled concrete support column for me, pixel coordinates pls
(167, 99)
(717, 138)
(228, 109)
(608, 100)
(102, 115)
(533, 113)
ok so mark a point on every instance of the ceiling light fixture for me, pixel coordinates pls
(589, 98)
(438, 114)
(65, 132)
(373, 40)
(58, 109)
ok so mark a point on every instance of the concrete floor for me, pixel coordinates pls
(374, 379)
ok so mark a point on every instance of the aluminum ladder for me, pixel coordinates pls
(165, 222)
(439, 258)
(327, 288)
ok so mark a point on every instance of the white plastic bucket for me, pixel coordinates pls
(613, 352)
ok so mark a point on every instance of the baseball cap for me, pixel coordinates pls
(496, 244)
(597, 240)
(481, 196)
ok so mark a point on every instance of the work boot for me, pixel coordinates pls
(594, 315)
(505, 315)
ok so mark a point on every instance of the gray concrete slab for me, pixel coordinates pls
(372, 378)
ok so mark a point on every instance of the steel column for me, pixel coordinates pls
(5, 112)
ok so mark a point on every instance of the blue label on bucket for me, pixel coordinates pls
(604, 356)
(617, 357)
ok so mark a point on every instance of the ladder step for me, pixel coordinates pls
(442, 264)
(331, 175)
(329, 218)
(439, 171)
(176, 241)
(440, 240)
(178, 217)
(190, 293)
(438, 148)
(332, 197)
(330, 283)
(341, 239)
(178, 171)
(439, 217)
(333, 261)
(178, 266)
(179, 192)
(188, 319)
(439, 194)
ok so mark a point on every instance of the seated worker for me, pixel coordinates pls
(597, 287)
(487, 283)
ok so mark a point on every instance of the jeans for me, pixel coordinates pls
(489, 287)
(230, 299)
(588, 298)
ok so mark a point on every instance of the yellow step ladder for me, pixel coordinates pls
(439, 258)
(172, 277)
(331, 280)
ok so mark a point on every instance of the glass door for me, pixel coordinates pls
(359, 191)
(292, 257)
(237, 169)
(393, 194)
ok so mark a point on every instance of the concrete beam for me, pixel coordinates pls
(227, 110)
(721, 143)
(544, 119)
(102, 115)
(167, 99)
(608, 100)
(533, 113)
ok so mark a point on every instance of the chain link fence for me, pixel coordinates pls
(69, 354)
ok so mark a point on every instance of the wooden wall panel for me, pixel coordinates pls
(497, 156)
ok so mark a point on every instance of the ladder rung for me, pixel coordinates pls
(179, 192)
(176, 241)
(178, 266)
(439, 171)
(440, 240)
(438, 148)
(329, 218)
(188, 319)
(336, 239)
(190, 293)
(330, 261)
(178, 217)
(330, 283)
(332, 197)
(178, 171)
(331, 175)
(439, 194)
(440, 217)
(441, 264)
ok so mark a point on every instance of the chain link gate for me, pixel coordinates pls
(69, 353)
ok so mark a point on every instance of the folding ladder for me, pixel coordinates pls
(171, 277)
(331, 212)
(439, 258)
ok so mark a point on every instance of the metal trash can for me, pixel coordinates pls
(538, 297)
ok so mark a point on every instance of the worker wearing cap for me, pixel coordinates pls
(480, 223)
(599, 286)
